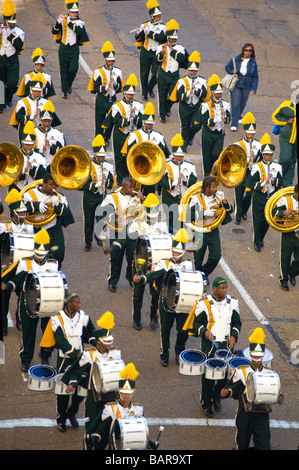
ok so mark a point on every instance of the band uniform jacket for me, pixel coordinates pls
(169, 182)
(11, 41)
(259, 174)
(56, 141)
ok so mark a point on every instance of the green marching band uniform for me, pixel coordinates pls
(214, 115)
(284, 118)
(14, 279)
(252, 420)
(265, 180)
(178, 177)
(95, 189)
(289, 245)
(124, 117)
(252, 148)
(69, 32)
(11, 46)
(148, 37)
(220, 316)
(190, 91)
(105, 82)
(39, 61)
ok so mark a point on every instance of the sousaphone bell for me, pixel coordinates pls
(11, 163)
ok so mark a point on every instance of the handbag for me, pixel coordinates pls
(230, 80)
(276, 129)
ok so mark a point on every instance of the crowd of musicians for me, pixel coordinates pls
(121, 207)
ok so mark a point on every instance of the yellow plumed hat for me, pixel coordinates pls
(99, 145)
(131, 84)
(8, 9)
(153, 7)
(38, 56)
(172, 28)
(267, 146)
(127, 378)
(151, 200)
(215, 84)
(72, 5)
(42, 240)
(14, 200)
(179, 240)
(108, 50)
(47, 111)
(148, 115)
(248, 122)
(106, 321)
(193, 60)
(177, 143)
(257, 342)
(28, 133)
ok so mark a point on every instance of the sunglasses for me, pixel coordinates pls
(248, 50)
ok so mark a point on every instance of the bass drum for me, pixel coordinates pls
(45, 293)
(105, 375)
(41, 378)
(182, 289)
(263, 387)
(14, 247)
(150, 249)
(130, 434)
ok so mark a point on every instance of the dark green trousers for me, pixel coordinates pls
(90, 202)
(186, 114)
(289, 247)
(120, 160)
(242, 201)
(69, 65)
(147, 65)
(121, 247)
(287, 159)
(9, 75)
(210, 242)
(166, 84)
(138, 293)
(212, 146)
(255, 425)
(167, 321)
(102, 107)
(260, 224)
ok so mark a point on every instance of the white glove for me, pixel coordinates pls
(43, 207)
(99, 184)
(55, 201)
(209, 213)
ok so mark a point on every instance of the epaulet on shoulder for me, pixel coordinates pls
(58, 129)
(137, 404)
(109, 403)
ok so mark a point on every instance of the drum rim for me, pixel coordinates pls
(170, 273)
(247, 361)
(196, 351)
(38, 288)
(120, 424)
(208, 362)
(229, 353)
(43, 366)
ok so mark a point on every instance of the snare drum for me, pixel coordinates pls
(41, 378)
(262, 387)
(130, 434)
(182, 289)
(60, 387)
(224, 354)
(152, 248)
(14, 247)
(267, 359)
(105, 375)
(192, 362)
(235, 362)
(45, 293)
(215, 369)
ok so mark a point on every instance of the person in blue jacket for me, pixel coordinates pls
(247, 71)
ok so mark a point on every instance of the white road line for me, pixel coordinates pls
(85, 66)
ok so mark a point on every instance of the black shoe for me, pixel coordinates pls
(24, 368)
(257, 248)
(162, 120)
(87, 247)
(144, 98)
(64, 96)
(112, 288)
(217, 405)
(168, 113)
(129, 281)
(1, 110)
(137, 325)
(9, 103)
(237, 222)
(99, 242)
(244, 216)
(70, 91)
(190, 142)
(4, 331)
(61, 427)
(208, 281)
(73, 421)
(208, 412)
(293, 280)
(152, 94)
(154, 323)
(261, 244)
(164, 362)
(284, 287)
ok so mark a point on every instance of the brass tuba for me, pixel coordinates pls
(11, 163)
(230, 168)
(71, 167)
(281, 224)
(146, 163)
(36, 218)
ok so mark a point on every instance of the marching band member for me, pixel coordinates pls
(11, 45)
(38, 200)
(148, 37)
(121, 408)
(204, 204)
(217, 321)
(95, 189)
(288, 207)
(190, 91)
(252, 420)
(67, 331)
(13, 280)
(170, 56)
(119, 209)
(17, 224)
(252, 148)
(150, 224)
(167, 319)
(146, 134)
(38, 67)
(49, 139)
(105, 82)
(34, 166)
(285, 118)
(124, 117)
(265, 179)
(178, 177)
(69, 32)
(215, 114)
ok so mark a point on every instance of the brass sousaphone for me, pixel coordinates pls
(70, 169)
(230, 171)
(281, 224)
(11, 163)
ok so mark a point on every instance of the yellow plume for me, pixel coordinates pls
(266, 139)
(177, 141)
(106, 321)
(8, 8)
(152, 4)
(151, 200)
(132, 80)
(181, 236)
(29, 128)
(194, 57)
(172, 24)
(248, 118)
(39, 78)
(107, 47)
(42, 237)
(49, 106)
(37, 52)
(149, 109)
(258, 336)
(213, 80)
(98, 141)
(70, 1)
(129, 372)
(13, 196)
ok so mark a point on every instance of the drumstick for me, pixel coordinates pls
(161, 429)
